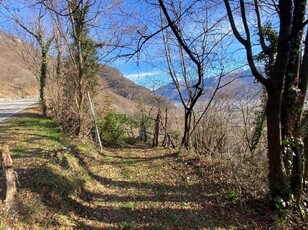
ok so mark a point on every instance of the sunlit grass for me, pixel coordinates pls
(68, 184)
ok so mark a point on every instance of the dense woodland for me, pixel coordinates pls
(238, 126)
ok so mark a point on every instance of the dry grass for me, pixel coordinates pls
(69, 185)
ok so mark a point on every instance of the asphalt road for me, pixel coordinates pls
(9, 107)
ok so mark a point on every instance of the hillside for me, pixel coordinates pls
(18, 81)
(120, 85)
(16, 78)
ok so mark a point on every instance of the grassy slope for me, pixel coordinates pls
(69, 186)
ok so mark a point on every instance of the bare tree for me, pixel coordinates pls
(190, 53)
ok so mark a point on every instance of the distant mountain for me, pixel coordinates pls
(239, 78)
(17, 80)
(124, 87)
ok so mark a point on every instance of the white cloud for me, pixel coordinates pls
(143, 74)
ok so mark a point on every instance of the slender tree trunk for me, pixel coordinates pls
(298, 169)
(43, 76)
(143, 131)
(306, 157)
(81, 129)
(187, 124)
(58, 77)
(165, 141)
(303, 87)
(81, 90)
(277, 178)
(156, 130)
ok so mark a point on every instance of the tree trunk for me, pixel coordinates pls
(306, 157)
(291, 82)
(298, 170)
(81, 126)
(277, 177)
(9, 174)
(187, 124)
(81, 89)
(156, 130)
(303, 87)
(143, 132)
(166, 137)
(43, 76)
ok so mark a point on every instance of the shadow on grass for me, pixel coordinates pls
(31, 128)
(154, 218)
(127, 146)
(147, 158)
(27, 115)
(212, 211)
(135, 160)
(20, 152)
(36, 138)
(38, 123)
(127, 216)
(56, 190)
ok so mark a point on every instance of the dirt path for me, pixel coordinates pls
(129, 188)
(69, 185)
(143, 188)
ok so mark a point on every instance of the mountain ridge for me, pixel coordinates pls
(17, 80)
(239, 78)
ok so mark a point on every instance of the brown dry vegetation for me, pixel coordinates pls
(67, 184)
(16, 78)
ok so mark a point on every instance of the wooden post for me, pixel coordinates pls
(156, 130)
(165, 141)
(9, 174)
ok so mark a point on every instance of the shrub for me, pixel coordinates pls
(118, 128)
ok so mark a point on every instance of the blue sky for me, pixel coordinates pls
(149, 68)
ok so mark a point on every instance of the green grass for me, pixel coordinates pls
(35, 145)
(129, 205)
(18, 149)
(31, 136)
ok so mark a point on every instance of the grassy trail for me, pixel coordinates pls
(143, 188)
(67, 184)
(75, 187)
